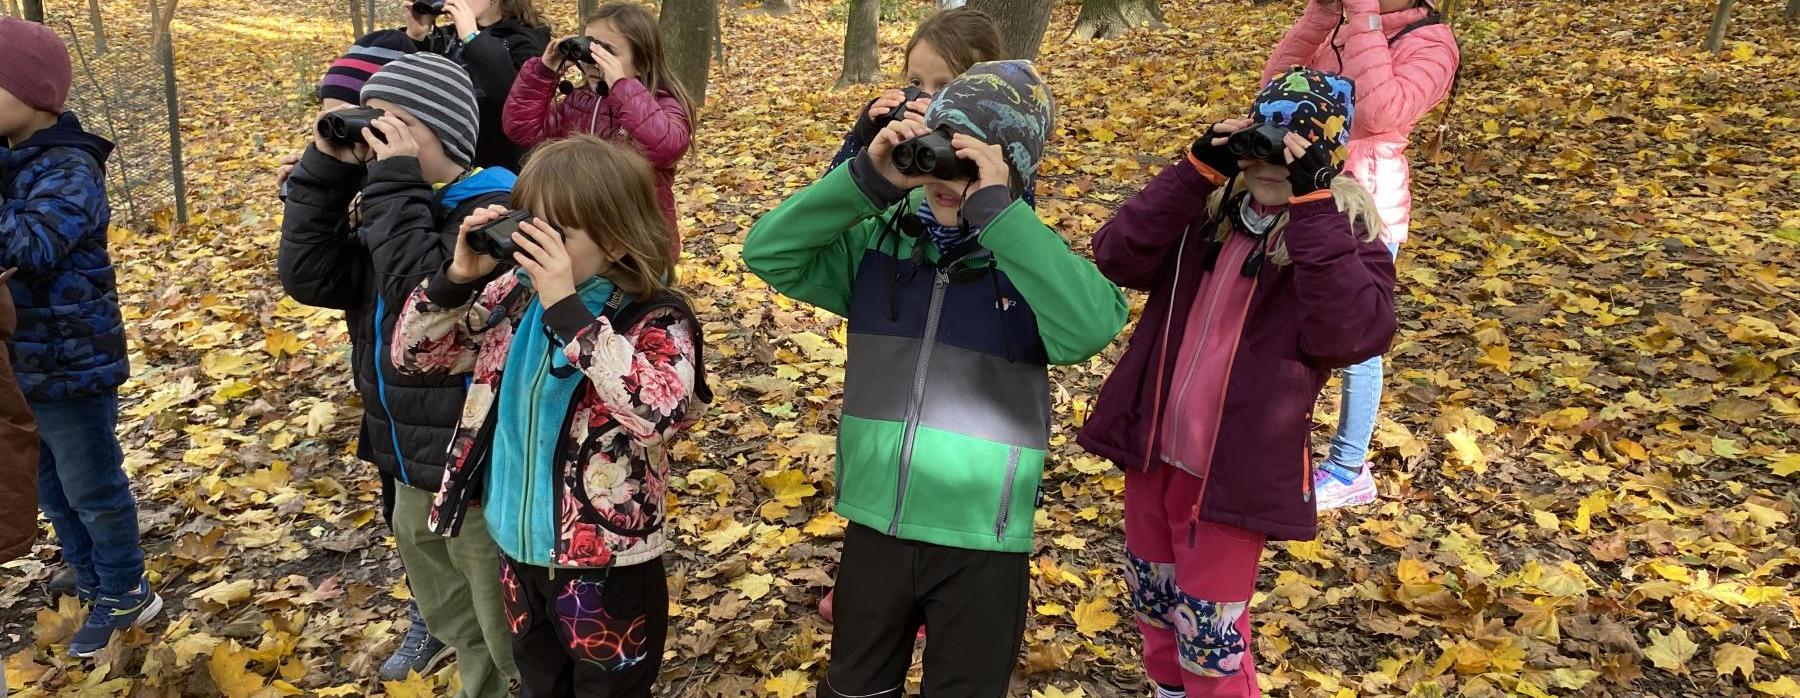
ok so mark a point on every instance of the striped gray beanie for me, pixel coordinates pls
(438, 92)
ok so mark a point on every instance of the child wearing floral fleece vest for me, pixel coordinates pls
(585, 365)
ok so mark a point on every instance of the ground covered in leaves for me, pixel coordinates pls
(1589, 454)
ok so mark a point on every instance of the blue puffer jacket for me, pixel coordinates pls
(53, 219)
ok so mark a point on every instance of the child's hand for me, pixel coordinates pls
(553, 58)
(353, 154)
(610, 69)
(466, 265)
(881, 152)
(399, 143)
(542, 255)
(1210, 148)
(987, 157)
(1309, 165)
(892, 99)
(286, 170)
(463, 16)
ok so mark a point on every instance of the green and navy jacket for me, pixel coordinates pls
(946, 390)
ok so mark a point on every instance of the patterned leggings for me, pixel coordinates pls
(1192, 601)
(595, 633)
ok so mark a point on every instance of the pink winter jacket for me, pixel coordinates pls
(1395, 86)
(656, 124)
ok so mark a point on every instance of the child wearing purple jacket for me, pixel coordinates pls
(1264, 275)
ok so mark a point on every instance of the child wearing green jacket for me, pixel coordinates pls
(958, 299)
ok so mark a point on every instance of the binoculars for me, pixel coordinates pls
(495, 239)
(898, 113)
(1263, 142)
(931, 155)
(345, 126)
(428, 8)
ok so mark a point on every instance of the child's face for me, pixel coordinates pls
(946, 199)
(15, 116)
(1269, 183)
(586, 258)
(927, 69)
(607, 34)
(435, 165)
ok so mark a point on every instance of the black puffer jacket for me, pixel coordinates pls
(407, 232)
(493, 60)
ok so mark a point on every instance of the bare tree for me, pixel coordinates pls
(1106, 19)
(33, 10)
(1792, 12)
(1715, 39)
(862, 62)
(687, 28)
(1022, 24)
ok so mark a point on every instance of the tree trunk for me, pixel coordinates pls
(687, 29)
(34, 10)
(1107, 19)
(862, 62)
(777, 7)
(1022, 24)
(1792, 12)
(1715, 39)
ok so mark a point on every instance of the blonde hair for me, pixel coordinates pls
(608, 191)
(1351, 198)
(641, 29)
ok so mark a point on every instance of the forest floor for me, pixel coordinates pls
(1588, 456)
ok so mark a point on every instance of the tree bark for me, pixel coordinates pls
(1792, 12)
(862, 62)
(1715, 39)
(33, 10)
(687, 29)
(1022, 24)
(1107, 19)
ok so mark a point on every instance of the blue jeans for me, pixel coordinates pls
(83, 491)
(1358, 407)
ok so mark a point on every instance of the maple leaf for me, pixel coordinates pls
(1053, 691)
(1094, 616)
(1671, 652)
(413, 686)
(1734, 658)
(1784, 687)
(229, 671)
(754, 586)
(788, 486)
(1785, 465)
(790, 684)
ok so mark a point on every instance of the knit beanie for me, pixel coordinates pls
(1312, 104)
(344, 80)
(34, 65)
(438, 92)
(1003, 103)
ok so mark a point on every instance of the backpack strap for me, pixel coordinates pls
(1431, 17)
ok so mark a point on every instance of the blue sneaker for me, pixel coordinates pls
(112, 613)
(418, 652)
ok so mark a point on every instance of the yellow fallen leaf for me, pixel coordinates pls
(754, 586)
(1054, 692)
(790, 684)
(413, 686)
(279, 342)
(1734, 658)
(1466, 450)
(226, 593)
(1784, 687)
(1672, 651)
(1094, 616)
(227, 666)
(1785, 465)
(788, 486)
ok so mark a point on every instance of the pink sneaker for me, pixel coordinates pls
(1332, 493)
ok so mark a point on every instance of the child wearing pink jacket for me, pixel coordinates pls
(1403, 59)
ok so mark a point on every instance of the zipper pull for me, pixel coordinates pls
(1194, 525)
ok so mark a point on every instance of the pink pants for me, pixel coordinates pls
(1192, 600)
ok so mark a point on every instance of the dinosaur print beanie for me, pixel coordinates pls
(1004, 103)
(1316, 105)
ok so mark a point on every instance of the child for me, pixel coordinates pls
(958, 298)
(941, 48)
(70, 343)
(627, 93)
(490, 38)
(1403, 59)
(415, 196)
(1262, 279)
(601, 368)
(18, 453)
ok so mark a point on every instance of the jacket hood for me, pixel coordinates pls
(486, 181)
(67, 133)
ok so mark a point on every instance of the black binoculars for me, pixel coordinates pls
(931, 155)
(345, 126)
(898, 114)
(495, 239)
(577, 49)
(1263, 142)
(429, 8)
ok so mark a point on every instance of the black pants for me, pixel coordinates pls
(971, 602)
(588, 633)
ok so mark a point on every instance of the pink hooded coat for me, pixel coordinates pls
(1395, 86)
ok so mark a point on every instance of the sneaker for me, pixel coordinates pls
(418, 652)
(1334, 492)
(111, 613)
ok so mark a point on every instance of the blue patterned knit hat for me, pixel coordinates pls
(1004, 103)
(1313, 104)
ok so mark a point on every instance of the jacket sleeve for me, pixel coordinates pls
(859, 137)
(440, 326)
(1078, 310)
(66, 200)
(532, 115)
(1302, 40)
(1135, 246)
(809, 246)
(1390, 95)
(1345, 286)
(645, 377)
(400, 227)
(320, 262)
(658, 123)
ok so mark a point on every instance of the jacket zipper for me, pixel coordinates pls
(531, 417)
(1006, 490)
(916, 407)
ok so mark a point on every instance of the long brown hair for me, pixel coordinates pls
(608, 191)
(963, 37)
(640, 28)
(525, 11)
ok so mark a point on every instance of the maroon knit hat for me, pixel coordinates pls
(34, 65)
